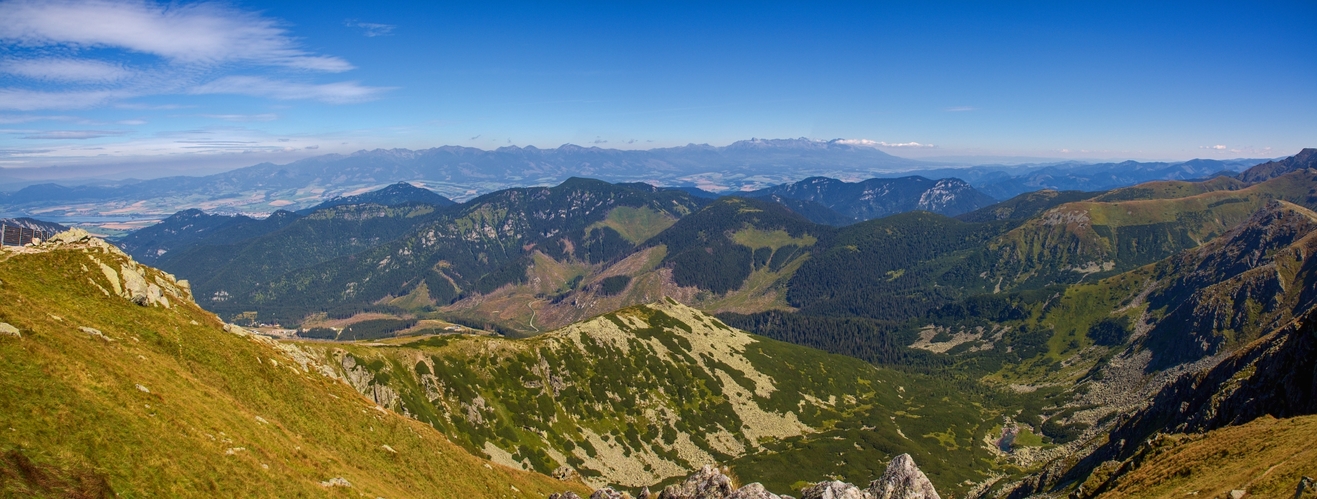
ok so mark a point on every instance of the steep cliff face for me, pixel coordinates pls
(1274, 376)
(1253, 279)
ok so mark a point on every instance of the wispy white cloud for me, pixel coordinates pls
(192, 48)
(1251, 150)
(150, 107)
(876, 143)
(201, 33)
(11, 119)
(371, 29)
(66, 70)
(258, 86)
(31, 100)
(72, 134)
(960, 109)
(243, 117)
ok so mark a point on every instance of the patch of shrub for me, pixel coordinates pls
(1111, 331)
(610, 286)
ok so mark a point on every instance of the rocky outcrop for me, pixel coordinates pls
(755, 491)
(707, 483)
(141, 285)
(903, 480)
(834, 490)
(8, 330)
(337, 481)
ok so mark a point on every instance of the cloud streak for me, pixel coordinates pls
(72, 134)
(202, 33)
(243, 117)
(143, 48)
(371, 29)
(66, 70)
(30, 100)
(874, 143)
(258, 86)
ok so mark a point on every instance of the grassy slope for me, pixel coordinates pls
(70, 407)
(1169, 189)
(627, 395)
(1265, 457)
(635, 224)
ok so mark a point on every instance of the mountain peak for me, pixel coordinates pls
(1305, 159)
(903, 480)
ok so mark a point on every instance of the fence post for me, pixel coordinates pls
(9, 235)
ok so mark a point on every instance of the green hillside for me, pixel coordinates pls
(646, 394)
(474, 248)
(101, 397)
(717, 248)
(225, 274)
(733, 255)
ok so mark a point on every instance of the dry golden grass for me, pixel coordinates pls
(1266, 458)
(172, 405)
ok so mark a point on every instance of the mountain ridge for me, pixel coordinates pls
(877, 197)
(106, 394)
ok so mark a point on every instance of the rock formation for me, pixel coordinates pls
(901, 480)
(608, 493)
(755, 491)
(834, 490)
(707, 483)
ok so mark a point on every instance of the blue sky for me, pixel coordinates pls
(205, 86)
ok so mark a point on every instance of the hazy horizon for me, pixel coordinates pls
(157, 167)
(200, 87)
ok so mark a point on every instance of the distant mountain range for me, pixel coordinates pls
(1005, 182)
(463, 172)
(1153, 340)
(32, 223)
